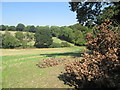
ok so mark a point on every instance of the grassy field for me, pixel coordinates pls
(20, 70)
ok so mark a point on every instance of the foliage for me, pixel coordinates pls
(27, 28)
(24, 44)
(9, 41)
(0, 40)
(87, 12)
(55, 30)
(19, 35)
(20, 27)
(43, 37)
(102, 67)
(32, 29)
(111, 12)
(66, 33)
(11, 28)
(2, 28)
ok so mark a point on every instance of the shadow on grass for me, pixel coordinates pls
(81, 85)
(73, 82)
(74, 54)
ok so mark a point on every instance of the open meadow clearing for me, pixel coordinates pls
(20, 70)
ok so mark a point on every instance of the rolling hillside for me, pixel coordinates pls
(55, 39)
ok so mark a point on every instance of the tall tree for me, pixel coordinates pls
(87, 12)
(20, 27)
(9, 41)
(43, 37)
(55, 31)
(111, 12)
(11, 28)
(32, 29)
(2, 28)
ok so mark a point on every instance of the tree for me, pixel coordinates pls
(55, 30)
(32, 29)
(11, 28)
(20, 27)
(43, 37)
(27, 28)
(79, 38)
(9, 41)
(111, 12)
(19, 35)
(0, 40)
(101, 67)
(66, 33)
(2, 28)
(87, 12)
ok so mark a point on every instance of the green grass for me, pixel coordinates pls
(19, 68)
(57, 40)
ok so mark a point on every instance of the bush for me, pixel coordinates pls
(0, 40)
(65, 44)
(9, 41)
(55, 45)
(101, 69)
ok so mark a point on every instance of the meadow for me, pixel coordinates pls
(19, 68)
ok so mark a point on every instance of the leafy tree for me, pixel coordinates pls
(88, 11)
(79, 38)
(11, 28)
(32, 29)
(79, 27)
(55, 31)
(66, 33)
(19, 35)
(111, 12)
(43, 37)
(27, 28)
(20, 27)
(9, 41)
(24, 43)
(2, 28)
(0, 40)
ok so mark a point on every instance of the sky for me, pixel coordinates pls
(38, 13)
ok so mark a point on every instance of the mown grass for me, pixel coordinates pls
(20, 70)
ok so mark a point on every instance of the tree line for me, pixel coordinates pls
(42, 35)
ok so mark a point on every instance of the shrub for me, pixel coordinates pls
(9, 41)
(65, 44)
(102, 67)
(0, 40)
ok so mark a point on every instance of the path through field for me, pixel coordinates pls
(20, 70)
